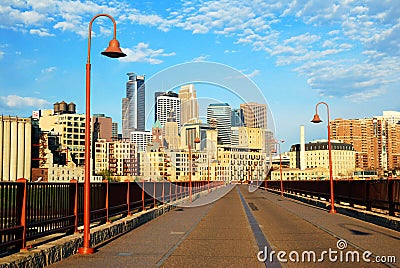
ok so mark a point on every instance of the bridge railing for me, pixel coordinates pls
(370, 194)
(32, 210)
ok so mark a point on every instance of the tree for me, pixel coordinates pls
(106, 174)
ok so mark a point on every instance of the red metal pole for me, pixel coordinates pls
(107, 206)
(154, 195)
(280, 167)
(317, 120)
(128, 202)
(23, 213)
(332, 210)
(190, 173)
(75, 206)
(143, 208)
(86, 249)
(208, 173)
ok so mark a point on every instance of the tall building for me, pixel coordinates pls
(133, 106)
(114, 130)
(167, 105)
(237, 118)
(392, 117)
(157, 133)
(141, 139)
(204, 132)
(118, 157)
(220, 114)
(15, 148)
(102, 126)
(376, 140)
(254, 114)
(189, 104)
(62, 136)
(171, 134)
(156, 95)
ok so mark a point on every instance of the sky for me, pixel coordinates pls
(288, 54)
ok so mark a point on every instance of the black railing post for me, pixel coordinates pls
(368, 206)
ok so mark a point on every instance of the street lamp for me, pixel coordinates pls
(317, 119)
(196, 140)
(113, 51)
(208, 169)
(280, 164)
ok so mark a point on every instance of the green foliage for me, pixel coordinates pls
(107, 175)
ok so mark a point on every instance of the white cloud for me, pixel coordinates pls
(14, 101)
(49, 70)
(345, 29)
(351, 79)
(201, 58)
(142, 53)
(302, 39)
(41, 32)
(253, 73)
(1, 54)
(227, 51)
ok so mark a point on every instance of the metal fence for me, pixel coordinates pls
(32, 210)
(371, 194)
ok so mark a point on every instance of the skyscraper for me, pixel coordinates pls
(221, 114)
(255, 114)
(171, 134)
(237, 118)
(168, 105)
(133, 106)
(189, 104)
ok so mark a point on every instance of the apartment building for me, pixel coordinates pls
(376, 140)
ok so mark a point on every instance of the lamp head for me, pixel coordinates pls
(197, 140)
(316, 119)
(113, 50)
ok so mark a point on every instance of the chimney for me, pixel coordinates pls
(302, 149)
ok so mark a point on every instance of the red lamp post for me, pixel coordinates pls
(280, 164)
(113, 51)
(317, 119)
(196, 140)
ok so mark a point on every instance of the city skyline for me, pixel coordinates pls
(345, 53)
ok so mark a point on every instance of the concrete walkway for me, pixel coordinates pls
(218, 234)
(291, 225)
(212, 235)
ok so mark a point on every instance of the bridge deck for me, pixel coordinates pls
(220, 235)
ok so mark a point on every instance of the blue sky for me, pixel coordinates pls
(297, 53)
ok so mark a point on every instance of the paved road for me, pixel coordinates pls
(231, 231)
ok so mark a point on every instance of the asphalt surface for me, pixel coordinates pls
(214, 231)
